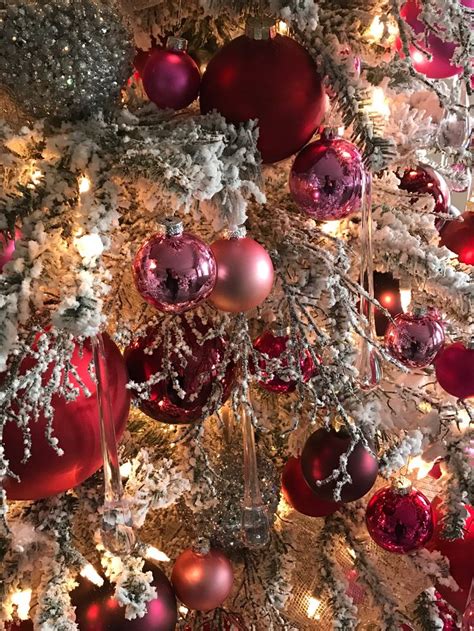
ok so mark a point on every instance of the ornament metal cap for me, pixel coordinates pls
(173, 227)
(260, 28)
(402, 485)
(235, 232)
(176, 43)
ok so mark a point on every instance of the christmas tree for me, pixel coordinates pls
(236, 315)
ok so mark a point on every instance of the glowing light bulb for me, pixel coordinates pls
(84, 184)
(22, 600)
(89, 245)
(375, 30)
(282, 27)
(126, 469)
(422, 467)
(331, 227)
(379, 103)
(313, 606)
(154, 554)
(89, 572)
(36, 176)
(405, 299)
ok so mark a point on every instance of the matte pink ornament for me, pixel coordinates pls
(7, 248)
(414, 339)
(326, 178)
(174, 271)
(454, 367)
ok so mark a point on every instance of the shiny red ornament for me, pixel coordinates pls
(7, 248)
(97, 609)
(399, 521)
(195, 371)
(414, 339)
(320, 457)
(171, 78)
(431, 56)
(273, 346)
(454, 367)
(326, 179)
(272, 79)
(202, 581)
(424, 180)
(174, 271)
(387, 292)
(244, 274)
(75, 425)
(458, 236)
(299, 495)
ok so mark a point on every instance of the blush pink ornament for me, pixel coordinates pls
(244, 273)
(414, 339)
(326, 178)
(7, 248)
(174, 271)
(171, 78)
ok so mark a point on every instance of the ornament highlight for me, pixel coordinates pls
(174, 271)
(454, 366)
(458, 236)
(204, 580)
(424, 180)
(270, 77)
(299, 495)
(414, 339)
(320, 457)
(326, 179)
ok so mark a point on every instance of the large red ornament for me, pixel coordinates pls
(7, 248)
(75, 425)
(415, 338)
(195, 372)
(424, 180)
(399, 521)
(458, 236)
(454, 367)
(299, 495)
(274, 346)
(171, 78)
(202, 581)
(272, 79)
(320, 457)
(326, 179)
(244, 274)
(97, 610)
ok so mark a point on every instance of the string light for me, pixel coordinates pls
(379, 103)
(89, 245)
(21, 600)
(380, 30)
(313, 606)
(282, 27)
(84, 184)
(183, 610)
(420, 466)
(36, 176)
(331, 227)
(89, 572)
(126, 469)
(154, 554)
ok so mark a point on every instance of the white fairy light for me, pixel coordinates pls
(420, 466)
(89, 572)
(126, 469)
(36, 176)
(154, 554)
(84, 184)
(89, 245)
(379, 104)
(331, 227)
(313, 606)
(282, 27)
(22, 600)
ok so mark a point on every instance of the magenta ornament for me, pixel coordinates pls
(174, 271)
(400, 519)
(424, 180)
(326, 178)
(7, 248)
(414, 339)
(171, 78)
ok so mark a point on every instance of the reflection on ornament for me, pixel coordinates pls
(89, 572)
(414, 339)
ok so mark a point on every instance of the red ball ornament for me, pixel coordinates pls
(273, 346)
(320, 457)
(195, 372)
(202, 581)
(75, 425)
(270, 77)
(454, 367)
(326, 179)
(244, 274)
(171, 78)
(424, 180)
(399, 520)
(299, 495)
(174, 271)
(387, 292)
(97, 609)
(7, 248)
(458, 236)
(415, 338)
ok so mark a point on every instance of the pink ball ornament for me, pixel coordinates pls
(399, 519)
(414, 339)
(244, 274)
(174, 271)
(7, 248)
(171, 78)
(454, 366)
(326, 178)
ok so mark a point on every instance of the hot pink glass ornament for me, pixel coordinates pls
(415, 338)
(399, 520)
(326, 178)
(174, 271)
(7, 248)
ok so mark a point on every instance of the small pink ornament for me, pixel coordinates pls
(174, 271)
(7, 248)
(399, 519)
(415, 338)
(171, 78)
(244, 273)
(326, 178)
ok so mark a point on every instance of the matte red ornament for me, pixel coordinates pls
(415, 338)
(387, 292)
(274, 80)
(97, 609)
(273, 346)
(19, 625)
(326, 179)
(244, 274)
(174, 271)
(202, 581)
(299, 495)
(399, 521)
(458, 236)
(196, 372)
(75, 425)
(171, 78)
(424, 180)
(320, 457)
(7, 248)
(454, 367)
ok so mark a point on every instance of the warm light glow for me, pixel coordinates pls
(386, 300)
(313, 606)
(36, 176)
(84, 184)
(405, 299)
(380, 29)
(89, 572)
(126, 469)
(154, 554)
(283, 28)
(421, 467)
(418, 57)
(379, 103)
(351, 552)
(183, 610)
(331, 227)
(21, 601)
(89, 245)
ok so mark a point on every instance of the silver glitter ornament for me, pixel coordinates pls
(64, 59)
